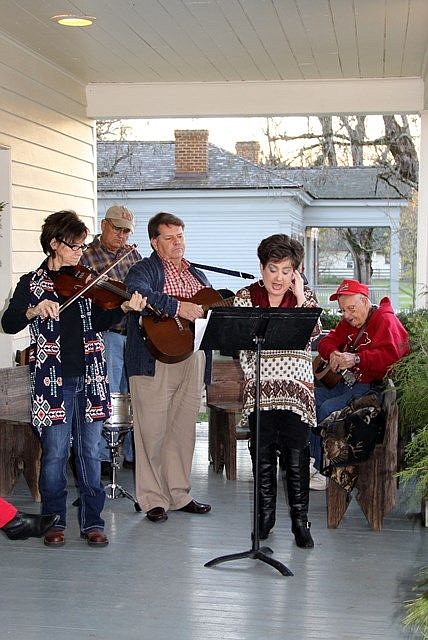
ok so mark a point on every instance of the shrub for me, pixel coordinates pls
(417, 609)
(410, 375)
(329, 319)
(415, 472)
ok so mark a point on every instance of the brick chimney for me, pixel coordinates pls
(191, 152)
(249, 150)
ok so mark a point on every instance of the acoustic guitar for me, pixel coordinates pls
(329, 378)
(323, 373)
(172, 339)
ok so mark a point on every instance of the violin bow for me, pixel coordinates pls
(95, 280)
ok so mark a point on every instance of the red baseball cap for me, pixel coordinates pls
(350, 288)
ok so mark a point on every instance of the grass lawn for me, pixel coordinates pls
(404, 291)
(405, 295)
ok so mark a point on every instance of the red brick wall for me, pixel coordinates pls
(191, 152)
(248, 150)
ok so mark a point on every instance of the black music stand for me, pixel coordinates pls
(253, 329)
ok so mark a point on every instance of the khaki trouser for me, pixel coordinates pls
(165, 408)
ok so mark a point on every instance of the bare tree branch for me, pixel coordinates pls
(394, 152)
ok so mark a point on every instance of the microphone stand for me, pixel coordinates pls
(228, 272)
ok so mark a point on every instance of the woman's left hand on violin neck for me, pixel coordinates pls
(135, 303)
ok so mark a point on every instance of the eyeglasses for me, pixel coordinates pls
(349, 309)
(74, 247)
(119, 230)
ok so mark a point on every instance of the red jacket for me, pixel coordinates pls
(383, 342)
(7, 512)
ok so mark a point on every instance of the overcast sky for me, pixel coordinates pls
(225, 132)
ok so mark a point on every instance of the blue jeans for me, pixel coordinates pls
(115, 359)
(327, 401)
(56, 442)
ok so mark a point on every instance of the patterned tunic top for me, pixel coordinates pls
(286, 377)
(47, 344)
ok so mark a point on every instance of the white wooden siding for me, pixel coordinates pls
(52, 161)
(222, 229)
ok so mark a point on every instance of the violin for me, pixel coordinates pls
(79, 281)
(74, 282)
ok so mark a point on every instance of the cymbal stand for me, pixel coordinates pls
(114, 436)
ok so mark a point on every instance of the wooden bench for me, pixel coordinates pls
(20, 449)
(376, 484)
(224, 402)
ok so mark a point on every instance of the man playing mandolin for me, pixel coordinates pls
(165, 396)
(362, 347)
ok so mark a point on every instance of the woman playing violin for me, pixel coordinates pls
(69, 385)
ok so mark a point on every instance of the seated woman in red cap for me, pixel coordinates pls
(362, 347)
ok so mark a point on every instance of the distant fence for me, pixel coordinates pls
(324, 291)
(378, 272)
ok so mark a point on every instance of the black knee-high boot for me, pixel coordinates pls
(267, 487)
(297, 473)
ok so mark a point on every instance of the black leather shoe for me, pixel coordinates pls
(26, 525)
(302, 535)
(157, 514)
(263, 533)
(195, 507)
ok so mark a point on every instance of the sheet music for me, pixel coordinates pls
(200, 326)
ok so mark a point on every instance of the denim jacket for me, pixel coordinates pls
(148, 278)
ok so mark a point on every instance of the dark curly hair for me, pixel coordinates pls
(61, 225)
(279, 247)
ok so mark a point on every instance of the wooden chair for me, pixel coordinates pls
(224, 402)
(20, 449)
(376, 484)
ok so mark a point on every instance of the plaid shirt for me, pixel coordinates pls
(98, 258)
(183, 284)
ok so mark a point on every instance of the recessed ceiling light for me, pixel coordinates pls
(74, 21)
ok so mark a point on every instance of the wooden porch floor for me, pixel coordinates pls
(150, 582)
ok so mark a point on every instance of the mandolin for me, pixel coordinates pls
(172, 339)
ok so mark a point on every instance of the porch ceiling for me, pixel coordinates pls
(177, 41)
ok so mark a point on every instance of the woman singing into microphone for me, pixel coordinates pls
(69, 386)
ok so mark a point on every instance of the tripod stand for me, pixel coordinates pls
(114, 431)
(114, 435)
(272, 329)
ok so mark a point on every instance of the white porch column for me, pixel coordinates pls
(395, 266)
(422, 245)
(310, 258)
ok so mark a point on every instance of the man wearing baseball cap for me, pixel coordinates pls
(106, 248)
(363, 346)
